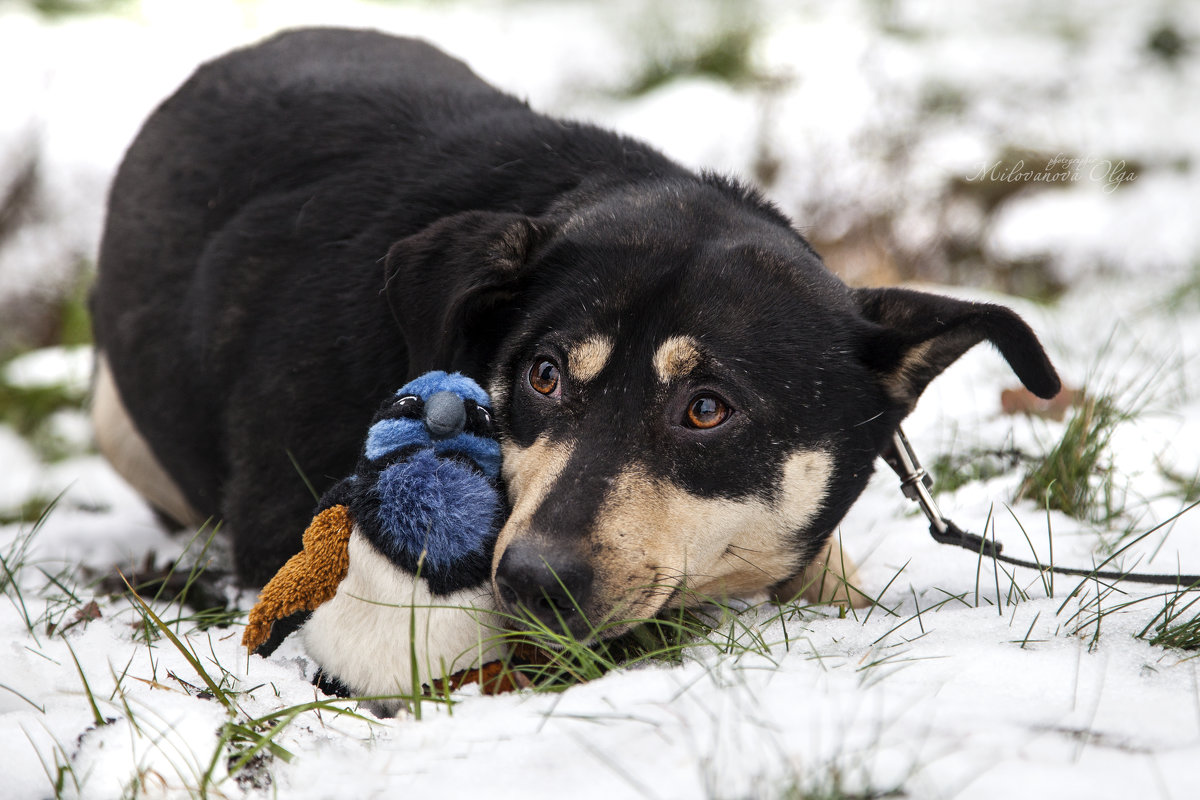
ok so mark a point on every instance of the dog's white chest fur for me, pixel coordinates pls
(366, 635)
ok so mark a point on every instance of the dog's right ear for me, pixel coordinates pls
(450, 285)
(917, 335)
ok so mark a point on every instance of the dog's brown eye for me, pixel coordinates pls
(706, 411)
(543, 377)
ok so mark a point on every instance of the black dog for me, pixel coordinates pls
(688, 400)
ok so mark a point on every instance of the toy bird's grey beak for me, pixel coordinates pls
(445, 415)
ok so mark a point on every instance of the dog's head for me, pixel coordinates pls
(689, 401)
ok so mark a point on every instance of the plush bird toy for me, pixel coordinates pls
(391, 591)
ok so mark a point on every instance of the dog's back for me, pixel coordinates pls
(254, 143)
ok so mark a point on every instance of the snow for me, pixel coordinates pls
(962, 682)
(67, 367)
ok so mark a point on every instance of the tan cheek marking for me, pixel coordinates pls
(586, 359)
(806, 476)
(676, 357)
(655, 531)
(529, 473)
(759, 554)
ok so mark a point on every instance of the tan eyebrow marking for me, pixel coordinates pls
(676, 357)
(586, 359)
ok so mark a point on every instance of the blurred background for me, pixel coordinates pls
(1027, 147)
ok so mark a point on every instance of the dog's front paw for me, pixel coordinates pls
(830, 579)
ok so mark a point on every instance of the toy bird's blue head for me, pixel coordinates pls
(425, 490)
(446, 412)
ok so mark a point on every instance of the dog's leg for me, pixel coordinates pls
(266, 534)
(830, 579)
(266, 495)
(121, 443)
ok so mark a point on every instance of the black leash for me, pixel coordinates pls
(915, 482)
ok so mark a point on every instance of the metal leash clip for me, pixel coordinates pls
(916, 483)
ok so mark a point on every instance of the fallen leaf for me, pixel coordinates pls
(1023, 401)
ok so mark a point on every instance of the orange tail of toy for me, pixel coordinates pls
(308, 579)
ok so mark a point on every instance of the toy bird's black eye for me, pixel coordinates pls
(479, 419)
(409, 406)
(706, 411)
(483, 420)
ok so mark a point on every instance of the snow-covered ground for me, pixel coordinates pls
(873, 124)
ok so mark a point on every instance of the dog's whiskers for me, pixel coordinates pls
(868, 421)
(748, 562)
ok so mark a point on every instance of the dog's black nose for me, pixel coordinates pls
(445, 415)
(551, 584)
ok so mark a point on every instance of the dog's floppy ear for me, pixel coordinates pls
(449, 284)
(917, 335)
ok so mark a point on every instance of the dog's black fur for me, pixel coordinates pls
(309, 223)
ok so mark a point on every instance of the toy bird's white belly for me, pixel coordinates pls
(366, 635)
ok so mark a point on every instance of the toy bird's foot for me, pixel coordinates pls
(494, 677)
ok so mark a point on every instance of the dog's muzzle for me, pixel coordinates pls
(549, 584)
